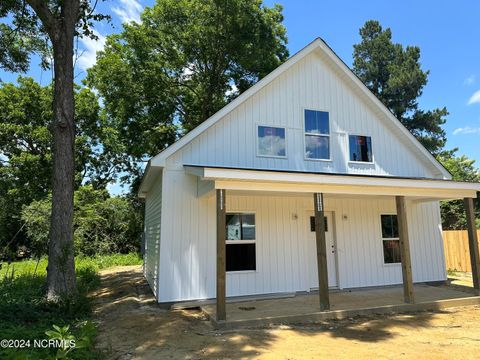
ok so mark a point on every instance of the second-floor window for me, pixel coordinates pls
(360, 148)
(271, 141)
(317, 135)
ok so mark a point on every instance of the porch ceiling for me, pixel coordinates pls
(301, 182)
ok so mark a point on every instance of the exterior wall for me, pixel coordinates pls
(153, 225)
(188, 246)
(310, 84)
(187, 251)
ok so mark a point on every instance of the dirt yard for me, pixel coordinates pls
(132, 326)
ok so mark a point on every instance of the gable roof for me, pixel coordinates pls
(317, 45)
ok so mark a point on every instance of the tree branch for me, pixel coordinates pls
(46, 16)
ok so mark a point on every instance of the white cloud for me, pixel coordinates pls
(271, 145)
(116, 189)
(129, 11)
(470, 80)
(233, 90)
(475, 98)
(188, 71)
(466, 130)
(88, 55)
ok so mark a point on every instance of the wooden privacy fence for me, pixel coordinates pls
(457, 255)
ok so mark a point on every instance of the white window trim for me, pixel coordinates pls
(253, 241)
(257, 142)
(356, 161)
(305, 133)
(384, 239)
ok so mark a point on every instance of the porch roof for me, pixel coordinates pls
(329, 183)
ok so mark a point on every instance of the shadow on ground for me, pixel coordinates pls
(133, 326)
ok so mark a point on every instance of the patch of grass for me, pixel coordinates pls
(25, 312)
(30, 267)
(452, 272)
(103, 262)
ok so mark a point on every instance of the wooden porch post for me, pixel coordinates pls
(221, 255)
(473, 242)
(404, 250)
(321, 252)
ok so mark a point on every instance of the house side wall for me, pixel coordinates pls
(310, 84)
(153, 225)
(187, 265)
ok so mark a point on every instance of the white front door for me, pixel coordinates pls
(312, 253)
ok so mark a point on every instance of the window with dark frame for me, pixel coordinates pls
(360, 148)
(240, 242)
(390, 239)
(317, 135)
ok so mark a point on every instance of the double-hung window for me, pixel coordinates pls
(390, 239)
(317, 135)
(240, 243)
(360, 148)
(271, 141)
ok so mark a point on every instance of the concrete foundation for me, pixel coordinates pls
(304, 308)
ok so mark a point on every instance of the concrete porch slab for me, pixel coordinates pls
(304, 308)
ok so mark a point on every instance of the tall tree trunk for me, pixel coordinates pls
(61, 265)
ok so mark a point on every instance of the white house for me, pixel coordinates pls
(307, 141)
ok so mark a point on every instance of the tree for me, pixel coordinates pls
(462, 169)
(186, 60)
(102, 224)
(25, 144)
(393, 73)
(52, 22)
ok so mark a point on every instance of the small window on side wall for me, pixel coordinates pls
(390, 239)
(240, 242)
(317, 135)
(360, 148)
(271, 141)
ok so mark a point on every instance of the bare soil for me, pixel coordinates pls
(133, 326)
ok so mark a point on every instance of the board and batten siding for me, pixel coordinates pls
(152, 229)
(310, 84)
(188, 252)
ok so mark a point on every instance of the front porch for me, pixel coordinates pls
(303, 308)
(405, 194)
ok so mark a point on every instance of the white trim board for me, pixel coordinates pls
(258, 180)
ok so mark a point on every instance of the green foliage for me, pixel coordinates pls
(25, 157)
(25, 150)
(393, 73)
(462, 169)
(70, 342)
(83, 264)
(184, 62)
(26, 314)
(24, 33)
(102, 224)
(452, 272)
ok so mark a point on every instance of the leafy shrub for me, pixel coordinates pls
(102, 224)
(70, 342)
(25, 312)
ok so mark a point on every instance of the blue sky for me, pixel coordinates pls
(447, 33)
